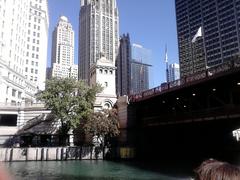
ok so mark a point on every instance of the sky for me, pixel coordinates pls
(151, 23)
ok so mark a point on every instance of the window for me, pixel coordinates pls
(19, 95)
(106, 84)
(14, 92)
(7, 89)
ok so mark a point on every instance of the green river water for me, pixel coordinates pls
(86, 170)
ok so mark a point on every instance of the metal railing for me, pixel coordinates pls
(210, 72)
(21, 105)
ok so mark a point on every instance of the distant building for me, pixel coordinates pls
(23, 49)
(208, 33)
(123, 66)
(174, 72)
(98, 47)
(139, 69)
(63, 50)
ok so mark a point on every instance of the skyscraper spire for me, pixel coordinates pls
(166, 56)
(166, 61)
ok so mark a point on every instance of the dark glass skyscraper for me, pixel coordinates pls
(123, 66)
(215, 24)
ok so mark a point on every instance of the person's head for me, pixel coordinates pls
(217, 170)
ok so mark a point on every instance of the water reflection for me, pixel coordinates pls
(87, 170)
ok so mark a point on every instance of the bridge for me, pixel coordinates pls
(193, 116)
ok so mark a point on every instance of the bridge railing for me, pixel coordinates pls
(209, 72)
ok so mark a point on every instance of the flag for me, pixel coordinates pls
(198, 34)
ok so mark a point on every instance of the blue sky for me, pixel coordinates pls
(151, 23)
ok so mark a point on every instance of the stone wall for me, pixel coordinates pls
(50, 154)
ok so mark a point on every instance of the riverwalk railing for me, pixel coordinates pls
(51, 154)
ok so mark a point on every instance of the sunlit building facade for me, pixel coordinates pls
(23, 49)
(98, 47)
(174, 72)
(63, 50)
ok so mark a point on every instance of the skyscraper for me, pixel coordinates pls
(208, 33)
(23, 49)
(174, 73)
(139, 68)
(123, 66)
(98, 33)
(63, 50)
(98, 46)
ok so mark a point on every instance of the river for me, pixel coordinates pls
(87, 170)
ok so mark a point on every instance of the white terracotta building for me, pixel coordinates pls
(23, 49)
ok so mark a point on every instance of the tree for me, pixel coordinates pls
(103, 125)
(70, 101)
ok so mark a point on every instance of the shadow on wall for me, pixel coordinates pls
(40, 131)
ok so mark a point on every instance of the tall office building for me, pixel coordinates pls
(174, 72)
(123, 66)
(98, 46)
(63, 50)
(208, 33)
(23, 49)
(139, 69)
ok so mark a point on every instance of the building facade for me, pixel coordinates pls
(99, 41)
(139, 68)
(208, 33)
(23, 49)
(98, 33)
(63, 50)
(123, 66)
(174, 72)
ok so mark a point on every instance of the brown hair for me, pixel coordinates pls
(217, 170)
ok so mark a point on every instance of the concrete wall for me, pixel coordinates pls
(50, 154)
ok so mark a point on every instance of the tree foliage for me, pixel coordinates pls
(103, 124)
(69, 100)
